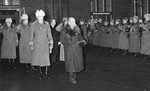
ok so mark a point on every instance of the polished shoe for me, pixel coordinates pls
(146, 58)
(40, 76)
(33, 69)
(74, 75)
(136, 55)
(47, 77)
(9, 67)
(27, 70)
(72, 79)
(124, 54)
(14, 67)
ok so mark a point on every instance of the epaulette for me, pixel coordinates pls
(45, 22)
(148, 22)
(33, 22)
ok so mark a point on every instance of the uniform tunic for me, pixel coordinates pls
(145, 46)
(99, 33)
(104, 38)
(73, 52)
(134, 39)
(8, 48)
(116, 37)
(103, 33)
(24, 48)
(95, 37)
(110, 38)
(123, 40)
(40, 36)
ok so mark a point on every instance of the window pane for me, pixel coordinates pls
(1, 2)
(7, 2)
(108, 2)
(108, 8)
(100, 5)
(16, 2)
(65, 2)
(93, 8)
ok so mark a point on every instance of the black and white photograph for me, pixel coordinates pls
(74, 45)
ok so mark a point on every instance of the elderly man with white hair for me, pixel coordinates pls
(41, 43)
(72, 40)
(25, 52)
(9, 43)
(145, 45)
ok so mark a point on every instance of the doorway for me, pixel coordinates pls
(14, 14)
(11, 12)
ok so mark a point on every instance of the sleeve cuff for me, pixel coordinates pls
(30, 43)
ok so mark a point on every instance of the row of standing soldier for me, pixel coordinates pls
(126, 35)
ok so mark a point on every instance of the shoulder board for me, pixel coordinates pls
(46, 22)
(33, 22)
(148, 22)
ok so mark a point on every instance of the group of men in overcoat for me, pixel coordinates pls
(40, 39)
(66, 40)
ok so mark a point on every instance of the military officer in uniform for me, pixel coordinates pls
(9, 43)
(41, 43)
(72, 40)
(25, 52)
(145, 45)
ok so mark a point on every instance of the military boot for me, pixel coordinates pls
(72, 77)
(46, 74)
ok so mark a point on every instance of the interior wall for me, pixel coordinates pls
(121, 8)
(31, 6)
(80, 9)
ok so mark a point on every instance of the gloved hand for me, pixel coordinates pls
(31, 45)
(50, 49)
(59, 43)
(81, 43)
